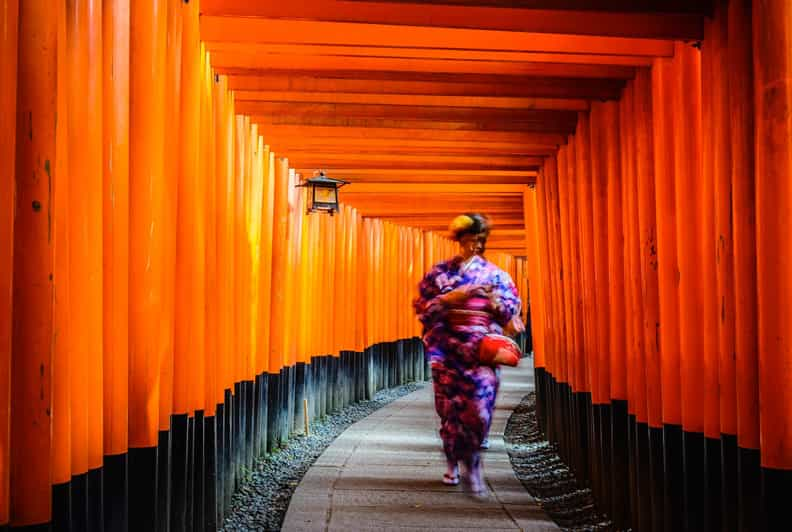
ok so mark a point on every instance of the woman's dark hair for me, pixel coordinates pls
(469, 224)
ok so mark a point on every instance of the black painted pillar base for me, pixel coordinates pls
(250, 423)
(776, 490)
(693, 462)
(288, 405)
(595, 452)
(673, 474)
(540, 376)
(355, 376)
(142, 488)
(260, 406)
(238, 433)
(273, 410)
(190, 457)
(210, 476)
(163, 481)
(370, 367)
(314, 399)
(324, 386)
(229, 476)
(343, 378)
(751, 510)
(178, 482)
(298, 427)
(620, 477)
(729, 482)
(79, 502)
(606, 457)
(713, 484)
(220, 470)
(61, 508)
(583, 413)
(198, 471)
(657, 478)
(335, 383)
(644, 492)
(95, 499)
(632, 469)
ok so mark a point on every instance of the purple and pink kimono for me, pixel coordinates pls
(464, 390)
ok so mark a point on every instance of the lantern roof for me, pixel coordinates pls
(323, 180)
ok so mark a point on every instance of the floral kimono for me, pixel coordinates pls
(464, 390)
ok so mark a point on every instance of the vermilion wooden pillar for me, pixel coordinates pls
(115, 194)
(721, 413)
(772, 20)
(636, 347)
(741, 105)
(265, 276)
(84, 133)
(690, 206)
(587, 280)
(563, 343)
(167, 439)
(535, 272)
(549, 338)
(616, 310)
(601, 384)
(61, 354)
(586, 231)
(670, 453)
(648, 256)
(578, 404)
(148, 205)
(31, 357)
(9, 13)
(566, 377)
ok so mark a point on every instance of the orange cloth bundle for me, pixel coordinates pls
(497, 349)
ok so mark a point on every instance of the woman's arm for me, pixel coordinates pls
(504, 298)
(428, 304)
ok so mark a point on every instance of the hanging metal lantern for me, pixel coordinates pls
(323, 193)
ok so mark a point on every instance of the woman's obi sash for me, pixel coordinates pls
(472, 316)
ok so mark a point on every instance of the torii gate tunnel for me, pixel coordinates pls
(167, 304)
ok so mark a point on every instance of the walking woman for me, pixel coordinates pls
(460, 301)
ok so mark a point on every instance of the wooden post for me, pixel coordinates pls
(115, 213)
(9, 20)
(31, 355)
(746, 342)
(773, 93)
(148, 207)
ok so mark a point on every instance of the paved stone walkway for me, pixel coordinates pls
(383, 473)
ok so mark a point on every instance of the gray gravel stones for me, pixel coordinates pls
(262, 501)
(538, 466)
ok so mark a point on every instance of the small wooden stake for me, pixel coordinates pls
(305, 416)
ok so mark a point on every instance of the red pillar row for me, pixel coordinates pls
(684, 183)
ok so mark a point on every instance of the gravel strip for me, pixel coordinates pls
(538, 466)
(262, 501)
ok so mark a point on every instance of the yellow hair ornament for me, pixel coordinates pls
(460, 223)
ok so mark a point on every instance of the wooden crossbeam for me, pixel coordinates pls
(426, 135)
(506, 17)
(357, 98)
(264, 30)
(400, 52)
(422, 83)
(562, 123)
(252, 60)
(432, 188)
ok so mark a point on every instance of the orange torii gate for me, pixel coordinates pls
(163, 294)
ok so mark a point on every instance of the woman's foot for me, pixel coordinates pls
(451, 476)
(450, 480)
(485, 444)
(474, 478)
